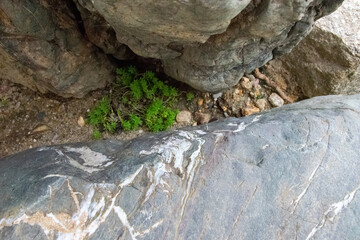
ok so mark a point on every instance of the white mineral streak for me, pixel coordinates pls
(333, 211)
(157, 224)
(156, 178)
(124, 220)
(195, 160)
(56, 220)
(93, 161)
(172, 150)
(91, 212)
(310, 180)
(12, 220)
(90, 157)
(131, 178)
(242, 126)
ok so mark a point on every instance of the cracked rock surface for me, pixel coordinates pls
(209, 45)
(327, 61)
(290, 173)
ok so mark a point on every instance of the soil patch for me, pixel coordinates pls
(29, 119)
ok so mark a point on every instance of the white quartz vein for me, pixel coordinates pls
(334, 210)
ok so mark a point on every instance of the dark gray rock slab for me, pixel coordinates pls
(290, 173)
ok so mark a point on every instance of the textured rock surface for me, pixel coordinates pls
(209, 44)
(291, 173)
(42, 47)
(327, 61)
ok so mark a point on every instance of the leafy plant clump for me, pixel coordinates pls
(136, 99)
(190, 96)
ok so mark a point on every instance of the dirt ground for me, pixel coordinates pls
(29, 119)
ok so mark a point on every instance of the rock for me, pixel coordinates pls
(214, 43)
(209, 45)
(276, 100)
(202, 118)
(81, 121)
(39, 129)
(200, 102)
(277, 175)
(184, 117)
(246, 83)
(217, 95)
(261, 104)
(246, 111)
(45, 49)
(327, 61)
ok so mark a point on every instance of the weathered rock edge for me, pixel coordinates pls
(62, 47)
(290, 173)
(206, 44)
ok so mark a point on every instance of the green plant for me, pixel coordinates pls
(96, 134)
(4, 102)
(190, 96)
(100, 117)
(151, 100)
(132, 124)
(158, 117)
(136, 99)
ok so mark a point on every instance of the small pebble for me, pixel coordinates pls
(41, 128)
(81, 121)
(202, 118)
(54, 138)
(184, 117)
(261, 104)
(246, 83)
(249, 110)
(216, 95)
(200, 102)
(276, 100)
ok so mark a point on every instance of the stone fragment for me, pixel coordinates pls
(261, 104)
(202, 118)
(40, 128)
(81, 121)
(184, 117)
(246, 83)
(276, 100)
(248, 110)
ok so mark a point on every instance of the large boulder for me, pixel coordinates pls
(42, 46)
(60, 46)
(327, 61)
(208, 44)
(290, 173)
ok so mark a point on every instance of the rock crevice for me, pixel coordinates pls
(206, 44)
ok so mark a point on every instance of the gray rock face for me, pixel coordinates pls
(327, 61)
(290, 173)
(50, 46)
(43, 48)
(209, 44)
